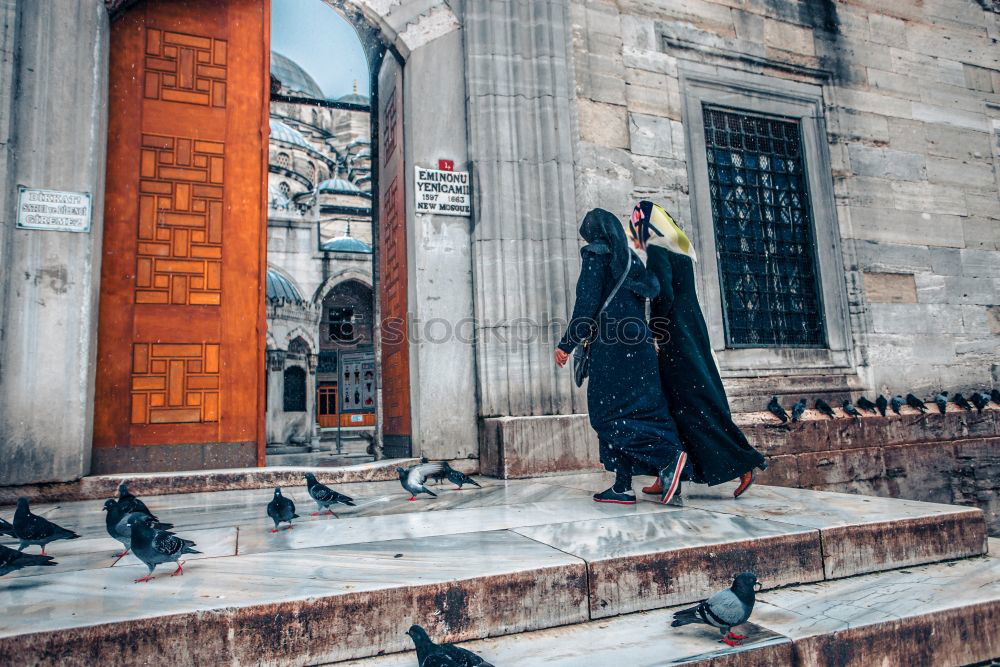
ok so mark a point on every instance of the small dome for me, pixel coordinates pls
(289, 135)
(293, 78)
(340, 186)
(280, 288)
(346, 244)
(354, 98)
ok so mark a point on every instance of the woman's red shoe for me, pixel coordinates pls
(746, 481)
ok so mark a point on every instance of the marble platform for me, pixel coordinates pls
(514, 556)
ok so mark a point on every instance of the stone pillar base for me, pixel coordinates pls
(517, 447)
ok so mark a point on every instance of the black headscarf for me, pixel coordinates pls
(604, 235)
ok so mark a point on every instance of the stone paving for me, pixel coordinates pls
(511, 557)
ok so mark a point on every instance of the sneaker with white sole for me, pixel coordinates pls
(670, 477)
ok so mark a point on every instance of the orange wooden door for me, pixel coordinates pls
(326, 403)
(180, 350)
(392, 266)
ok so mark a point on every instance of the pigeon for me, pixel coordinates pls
(995, 396)
(980, 400)
(867, 405)
(430, 654)
(281, 509)
(325, 496)
(961, 402)
(941, 400)
(724, 610)
(116, 523)
(916, 403)
(798, 409)
(6, 528)
(413, 478)
(775, 408)
(11, 561)
(896, 403)
(459, 478)
(882, 404)
(153, 546)
(825, 408)
(33, 529)
(130, 503)
(851, 410)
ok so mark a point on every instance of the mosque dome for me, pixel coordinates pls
(346, 244)
(354, 98)
(286, 134)
(341, 186)
(280, 288)
(293, 78)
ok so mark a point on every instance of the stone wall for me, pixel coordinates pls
(911, 104)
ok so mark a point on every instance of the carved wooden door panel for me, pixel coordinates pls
(180, 351)
(392, 266)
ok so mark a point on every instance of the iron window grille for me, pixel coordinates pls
(764, 238)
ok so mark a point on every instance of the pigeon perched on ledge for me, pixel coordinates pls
(11, 560)
(897, 403)
(154, 547)
(882, 404)
(867, 405)
(725, 610)
(33, 529)
(851, 410)
(941, 400)
(961, 402)
(995, 396)
(798, 409)
(325, 496)
(774, 407)
(916, 403)
(825, 408)
(980, 400)
(281, 509)
(430, 654)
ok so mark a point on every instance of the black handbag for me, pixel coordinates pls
(581, 355)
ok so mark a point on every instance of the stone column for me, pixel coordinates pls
(50, 281)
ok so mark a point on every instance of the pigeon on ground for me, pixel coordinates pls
(33, 529)
(413, 479)
(916, 403)
(980, 400)
(724, 610)
(995, 396)
(825, 408)
(867, 405)
(798, 409)
(881, 404)
(941, 400)
(153, 546)
(6, 528)
(430, 654)
(130, 503)
(281, 509)
(116, 523)
(775, 408)
(851, 410)
(459, 478)
(897, 403)
(961, 402)
(11, 561)
(325, 496)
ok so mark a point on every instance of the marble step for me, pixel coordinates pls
(507, 558)
(943, 614)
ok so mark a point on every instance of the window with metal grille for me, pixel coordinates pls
(763, 230)
(295, 389)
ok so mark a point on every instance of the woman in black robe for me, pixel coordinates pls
(626, 403)
(717, 449)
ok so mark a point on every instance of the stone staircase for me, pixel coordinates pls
(527, 571)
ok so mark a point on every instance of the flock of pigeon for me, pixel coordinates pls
(977, 399)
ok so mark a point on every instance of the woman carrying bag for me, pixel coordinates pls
(718, 450)
(624, 398)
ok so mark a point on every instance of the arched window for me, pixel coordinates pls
(284, 160)
(284, 187)
(295, 389)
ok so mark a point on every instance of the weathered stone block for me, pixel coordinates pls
(517, 447)
(650, 135)
(890, 287)
(603, 124)
(823, 468)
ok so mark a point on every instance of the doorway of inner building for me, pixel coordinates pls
(323, 375)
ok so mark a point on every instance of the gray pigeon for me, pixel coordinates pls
(867, 405)
(980, 400)
(825, 408)
(325, 496)
(413, 479)
(896, 403)
(116, 523)
(798, 409)
(916, 403)
(851, 410)
(6, 528)
(724, 610)
(33, 529)
(459, 478)
(153, 546)
(11, 561)
(941, 400)
(961, 402)
(430, 654)
(281, 509)
(881, 404)
(775, 409)
(995, 396)
(130, 503)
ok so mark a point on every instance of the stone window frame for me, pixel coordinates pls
(755, 93)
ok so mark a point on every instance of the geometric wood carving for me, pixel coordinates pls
(174, 383)
(179, 251)
(185, 68)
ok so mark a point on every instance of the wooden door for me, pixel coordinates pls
(326, 404)
(180, 378)
(392, 265)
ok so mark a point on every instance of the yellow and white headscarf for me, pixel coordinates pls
(652, 225)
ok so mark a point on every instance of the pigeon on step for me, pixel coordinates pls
(281, 509)
(980, 400)
(11, 561)
(825, 408)
(961, 402)
(430, 654)
(325, 496)
(774, 407)
(6, 528)
(941, 400)
(116, 523)
(916, 403)
(798, 409)
(130, 503)
(867, 405)
(724, 610)
(153, 546)
(896, 403)
(995, 396)
(413, 479)
(459, 478)
(881, 404)
(33, 529)
(851, 410)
